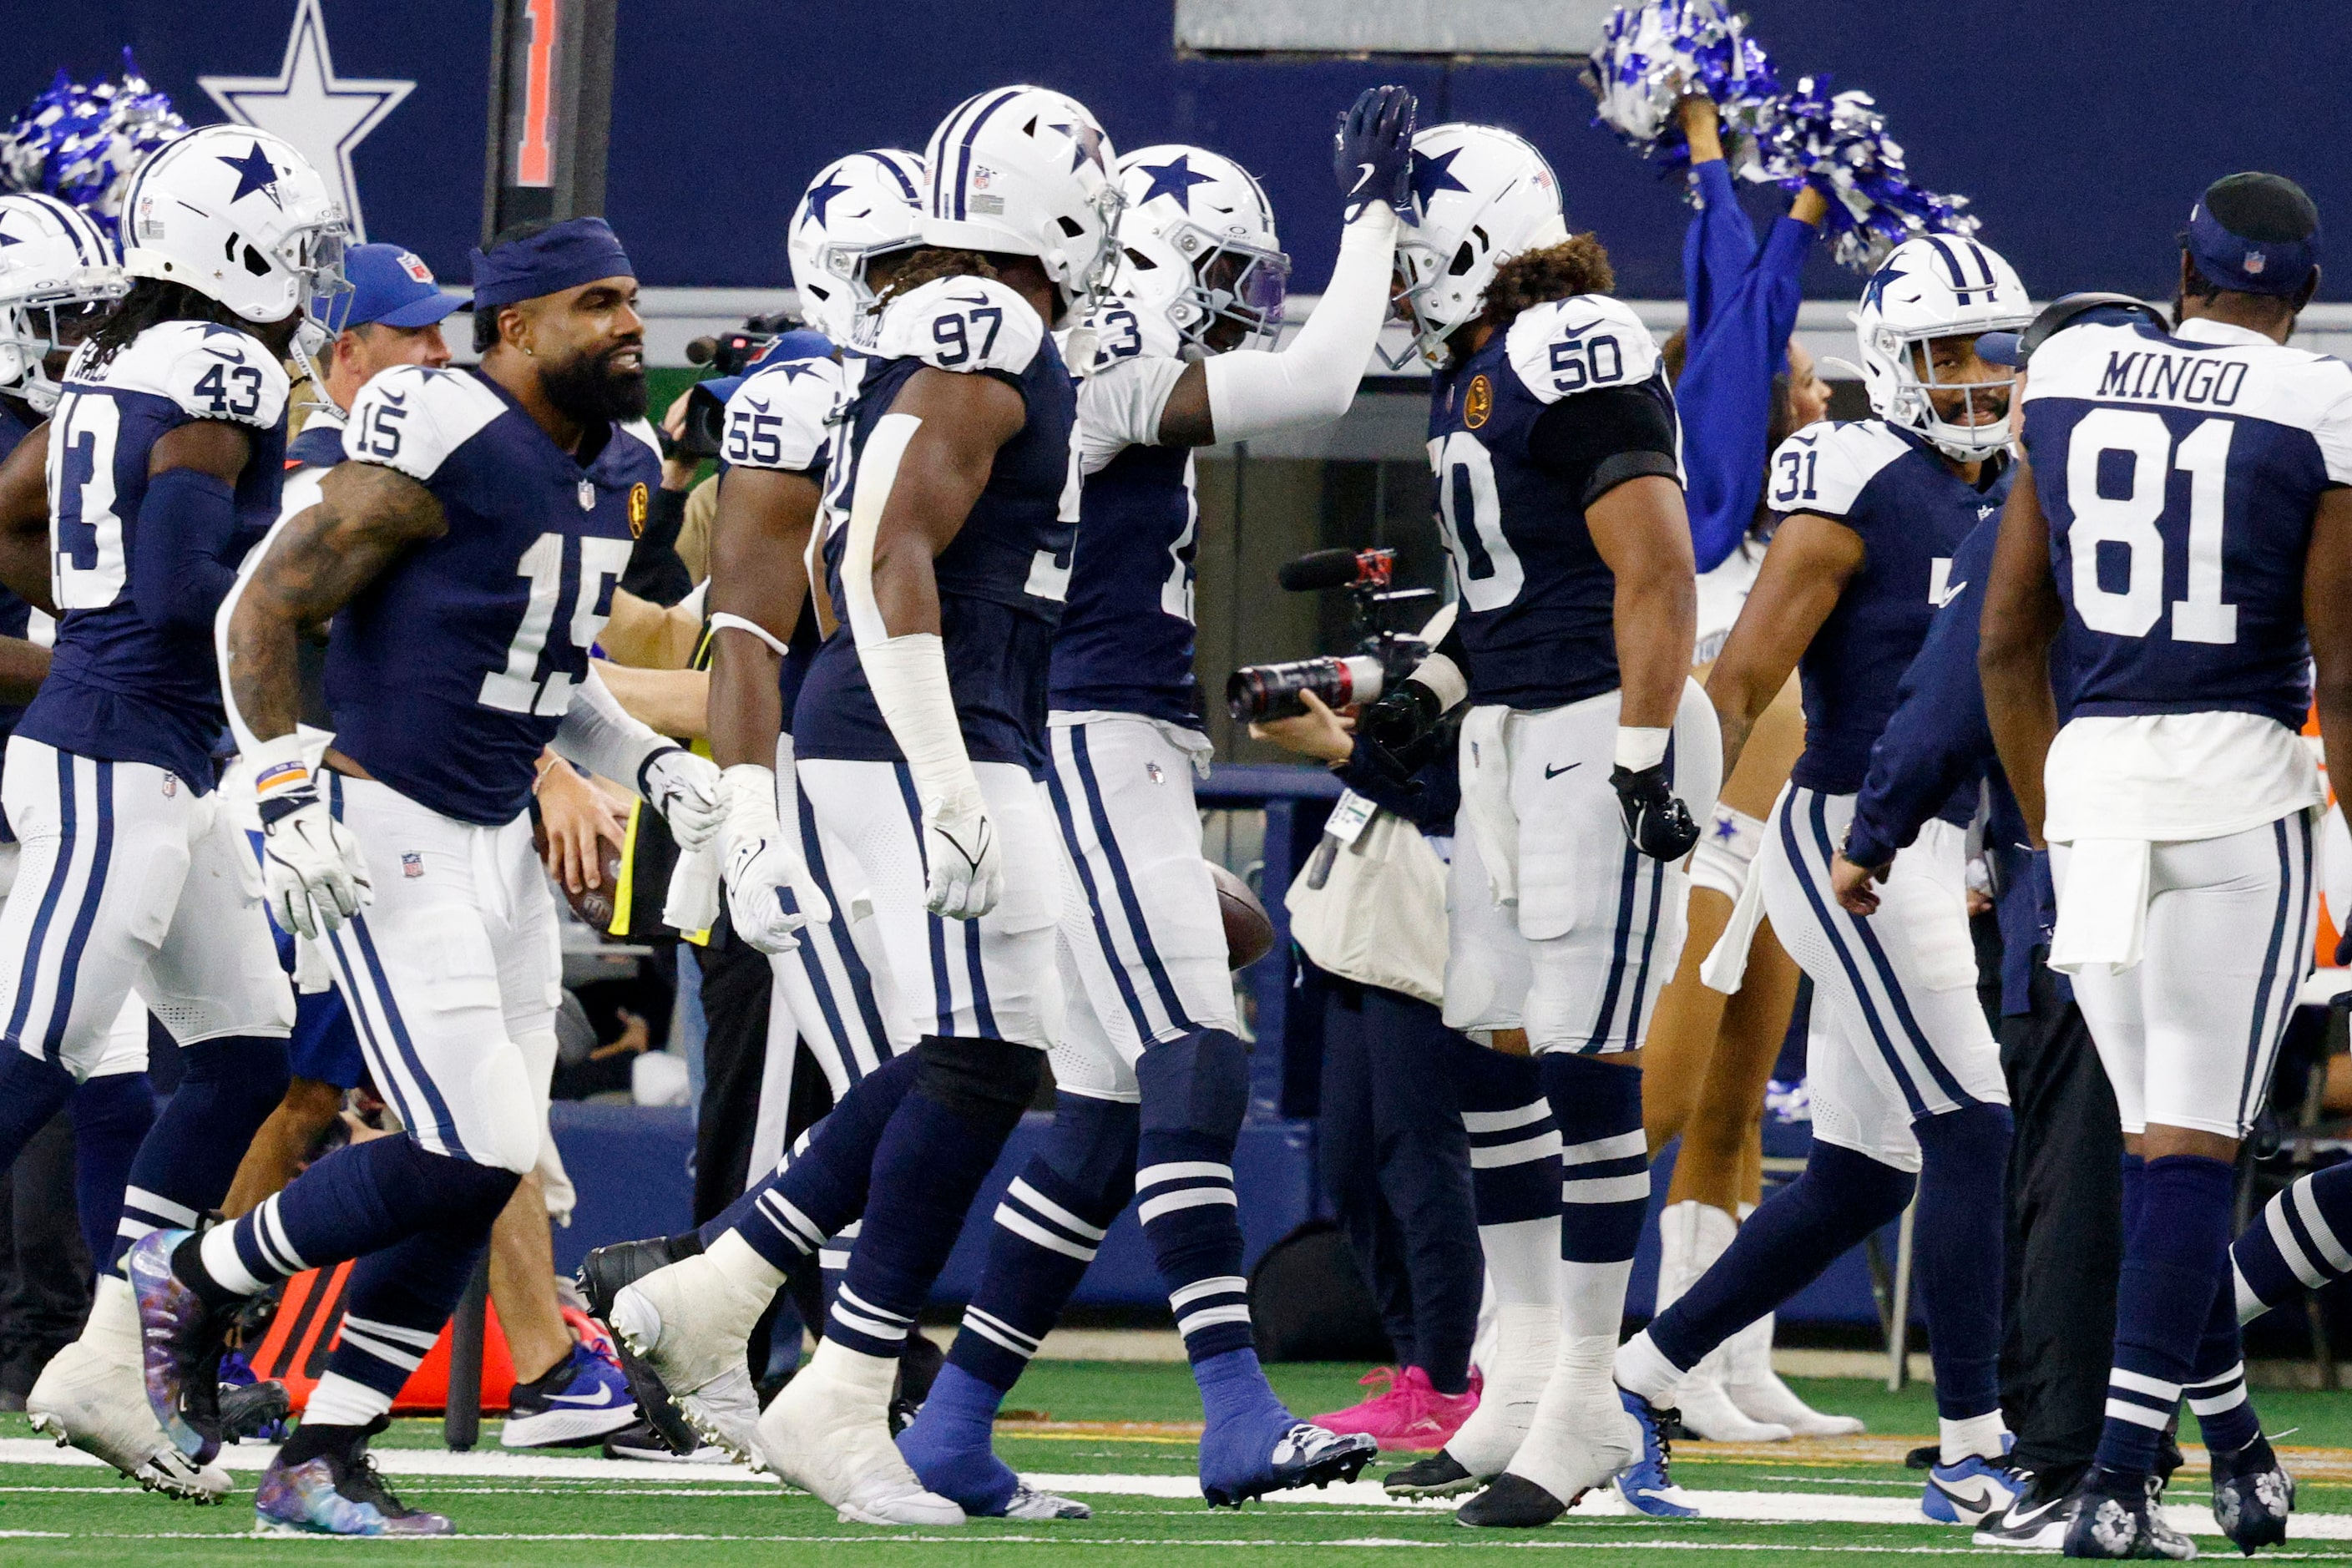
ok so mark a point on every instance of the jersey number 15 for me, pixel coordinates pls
(596, 564)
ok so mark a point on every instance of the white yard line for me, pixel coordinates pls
(498, 1465)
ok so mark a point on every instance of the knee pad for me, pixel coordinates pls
(508, 1120)
(1091, 1149)
(990, 1080)
(1196, 1084)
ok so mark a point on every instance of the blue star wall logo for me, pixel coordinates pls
(324, 116)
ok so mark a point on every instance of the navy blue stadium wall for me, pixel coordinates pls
(2082, 131)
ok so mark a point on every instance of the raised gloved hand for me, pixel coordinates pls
(1656, 821)
(312, 871)
(685, 789)
(967, 872)
(770, 892)
(1372, 151)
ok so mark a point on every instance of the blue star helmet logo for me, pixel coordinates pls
(821, 197)
(1176, 179)
(7, 239)
(1088, 139)
(254, 172)
(1873, 293)
(1432, 176)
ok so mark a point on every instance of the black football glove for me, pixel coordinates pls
(1372, 151)
(1657, 823)
(1405, 713)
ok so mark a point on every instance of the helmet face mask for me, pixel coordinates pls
(1481, 196)
(57, 280)
(1941, 290)
(1197, 244)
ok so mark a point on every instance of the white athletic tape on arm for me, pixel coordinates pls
(877, 471)
(725, 619)
(1254, 392)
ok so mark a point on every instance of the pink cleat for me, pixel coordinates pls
(1410, 1414)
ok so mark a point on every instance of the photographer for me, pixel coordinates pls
(1369, 911)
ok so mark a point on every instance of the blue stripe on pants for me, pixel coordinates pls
(1869, 1010)
(31, 972)
(77, 939)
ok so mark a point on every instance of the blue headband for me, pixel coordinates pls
(575, 251)
(2229, 261)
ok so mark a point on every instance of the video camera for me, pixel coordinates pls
(1258, 691)
(728, 354)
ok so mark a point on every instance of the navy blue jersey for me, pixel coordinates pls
(2178, 475)
(449, 673)
(1911, 511)
(1125, 642)
(1512, 485)
(15, 615)
(118, 686)
(1002, 579)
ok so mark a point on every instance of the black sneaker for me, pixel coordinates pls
(638, 1440)
(2252, 1495)
(2118, 1517)
(255, 1410)
(605, 1269)
(1440, 1475)
(1511, 1502)
(919, 1368)
(2036, 1518)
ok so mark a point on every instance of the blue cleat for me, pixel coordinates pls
(1244, 1458)
(1648, 1484)
(947, 1446)
(337, 1491)
(1974, 1491)
(179, 1344)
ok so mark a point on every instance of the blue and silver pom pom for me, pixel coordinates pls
(80, 142)
(1656, 53)
(1837, 143)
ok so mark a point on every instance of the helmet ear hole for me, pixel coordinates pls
(1071, 227)
(255, 264)
(1140, 262)
(1463, 261)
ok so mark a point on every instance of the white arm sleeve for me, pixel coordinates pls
(598, 734)
(1254, 392)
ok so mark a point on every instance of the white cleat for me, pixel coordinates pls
(828, 1433)
(683, 1324)
(97, 1404)
(1757, 1392)
(1029, 1503)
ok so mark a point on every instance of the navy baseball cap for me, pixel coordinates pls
(2254, 233)
(392, 286)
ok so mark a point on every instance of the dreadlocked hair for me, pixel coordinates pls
(931, 263)
(150, 302)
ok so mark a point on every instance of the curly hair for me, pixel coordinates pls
(1577, 265)
(150, 302)
(933, 263)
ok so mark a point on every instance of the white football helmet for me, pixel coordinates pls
(1027, 170)
(1197, 244)
(858, 207)
(56, 272)
(240, 216)
(1938, 286)
(1480, 196)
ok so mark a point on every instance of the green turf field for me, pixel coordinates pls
(638, 1515)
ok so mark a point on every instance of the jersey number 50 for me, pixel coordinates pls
(1470, 513)
(2130, 520)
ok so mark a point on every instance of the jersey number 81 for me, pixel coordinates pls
(2130, 520)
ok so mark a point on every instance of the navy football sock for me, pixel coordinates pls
(2296, 1243)
(1048, 1229)
(937, 1149)
(32, 1090)
(1956, 1252)
(2216, 1389)
(1196, 1091)
(2175, 1261)
(1799, 1231)
(1514, 1175)
(399, 1299)
(111, 1116)
(1604, 1185)
(787, 1216)
(358, 1200)
(228, 1088)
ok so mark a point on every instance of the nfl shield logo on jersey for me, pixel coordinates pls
(587, 496)
(1154, 769)
(412, 864)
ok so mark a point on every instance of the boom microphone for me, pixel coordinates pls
(1323, 569)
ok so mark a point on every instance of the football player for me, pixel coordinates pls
(919, 736)
(466, 551)
(1151, 1078)
(163, 462)
(1585, 752)
(58, 278)
(1903, 1064)
(2184, 514)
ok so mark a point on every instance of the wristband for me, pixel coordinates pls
(1639, 749)
(282, 782)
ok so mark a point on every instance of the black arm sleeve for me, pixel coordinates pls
(1598, 440)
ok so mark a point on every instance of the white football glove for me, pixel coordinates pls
(685, 789)
(312, 871)
(770, 892)
(967, 872)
